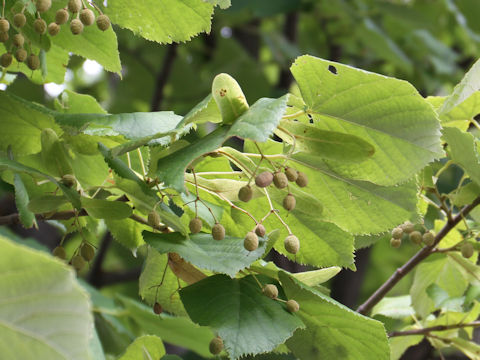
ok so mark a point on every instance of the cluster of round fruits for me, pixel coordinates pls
(80, 16)
(407, 230)
(85, 253)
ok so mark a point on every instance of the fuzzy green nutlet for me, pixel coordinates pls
(74, 5)
(33, 62)
(428, 238)
(43, 5)
(195, 225)
(4, 25)
(302, 179)
(40, 26)
(87, 251)
(18, 40)
(216, 345)
(395, 243)
(292, 306)
(59, 252)
(280, 180)
(260, 230)
(87, 17)
(245, 193)
(19, 20)
(397, 233)
(407, 227)
(21, 55)
(467, 250)
(250, 243)
(3, 37)
(103, 22)
(76, 27)
(53, 29)
(291, 174)
(61, 16)
(218, 232)
(68, 180)
(6, 60)
(153, 219)
(264, 179)
(289, 202)
(415, 237)
(78, 262)
(292, 244)
(270, 291)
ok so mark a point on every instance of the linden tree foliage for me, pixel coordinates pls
(235, 212)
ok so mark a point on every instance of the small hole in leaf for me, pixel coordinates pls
(332, 69)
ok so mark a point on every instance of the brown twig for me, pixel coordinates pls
(415, 260)
(425, 331)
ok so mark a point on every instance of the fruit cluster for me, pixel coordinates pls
(84, 254)
(408, 230)
(15, 39)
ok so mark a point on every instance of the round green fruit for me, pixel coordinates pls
(289, 202)
(43, 5)
(407, 227)
(4, 25)
(218, 232)
(302, 179)
(195, 225)
(33, 62)
(216, 345)
(6, 60)
(61, 16)
(78, 262)
(264, 179)
(415, 237)
(74, 6)
(270, 291)
(87, 252)
(245, 193)
(250, 243)
(291, 174)
(280, 180)
(103, 22)
(76, 27)
(397, 233)
(428, 238)
(40, 26)
(87, 17)
(467, 250)
(293, 306)
(3, 37)
(19, 20)
(68, 179)
(260, 230)
(53, 29)
(292, 244)
(18, 40)
(21, 55)
(153, 219)
(59, 252)
(395, 243)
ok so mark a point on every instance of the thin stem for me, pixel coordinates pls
(141, 162)
(427, 330)
(400, 273)
(129, 163)
(263, 157)
(294, 115)
(274, 211)
(443, 168)
(294, 143)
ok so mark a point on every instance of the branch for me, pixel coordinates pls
(162, 76)
(14, 218)
(415, 260)
(428, 330)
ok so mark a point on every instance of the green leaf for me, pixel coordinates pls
(154, 270)
(74, 103)
(333, 331)
(71, 194)
(229, 97)
(179, 331)
(46, 203)
(316, 277)
(461, 115)
(386, 112)
(469, 348)
(246, 320)
(127, 232)
(43, 310)
(440, 270)
(148, 347)
(462, 148)
(21, 126)
(323, 143)
(398, 307)
(227, 256)
(21, 201)
(170, 169)
(205, 111)
(165, 22)
(399, 344)
(467, 87)
(105, 209)
(260, 120)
